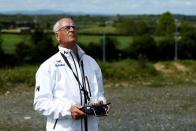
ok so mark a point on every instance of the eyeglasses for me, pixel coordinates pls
(68, 28)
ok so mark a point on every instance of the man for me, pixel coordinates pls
(67, 81)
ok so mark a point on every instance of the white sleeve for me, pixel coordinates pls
(98, 73)
(44, 102)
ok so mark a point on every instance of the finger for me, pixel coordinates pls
(74, 108)
(77, 114)
(100, 102)
(77, 106)
(81, 113)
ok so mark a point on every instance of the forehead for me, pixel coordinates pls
(65, 22)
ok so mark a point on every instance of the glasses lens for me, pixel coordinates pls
(69, 27)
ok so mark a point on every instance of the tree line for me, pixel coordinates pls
(151, 42)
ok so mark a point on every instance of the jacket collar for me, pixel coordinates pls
(67, 52)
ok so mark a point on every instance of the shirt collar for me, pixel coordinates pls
(67, 52)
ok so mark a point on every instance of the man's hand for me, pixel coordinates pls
(76, 113)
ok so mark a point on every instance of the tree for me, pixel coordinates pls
(1, 52)
(187, 43)
(112, 52)
(93, 49)
(187, 48)
(140, 27)
(165, 24)
(42, 47)
(96, 50)
(23, 52)
(166, 48)
(132, 27)
(143, 46)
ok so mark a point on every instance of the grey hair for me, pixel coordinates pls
(56, 26)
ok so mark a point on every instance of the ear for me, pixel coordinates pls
(57, 36)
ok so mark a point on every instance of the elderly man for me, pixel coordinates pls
(66, 82)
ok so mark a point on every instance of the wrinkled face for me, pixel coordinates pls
(67, 33)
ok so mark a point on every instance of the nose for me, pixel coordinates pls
(72, 28)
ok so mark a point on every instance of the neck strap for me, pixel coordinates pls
(76, 77)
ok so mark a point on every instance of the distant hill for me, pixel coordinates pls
(38, 12)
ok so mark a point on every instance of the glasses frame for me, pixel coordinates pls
(67, 28)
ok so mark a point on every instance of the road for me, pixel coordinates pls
(134, 108)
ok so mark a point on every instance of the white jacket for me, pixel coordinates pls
(57, 89)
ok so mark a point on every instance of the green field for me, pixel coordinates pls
(10, 40)
(123, 41)
(98, 29)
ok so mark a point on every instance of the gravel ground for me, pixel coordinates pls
(133, 109)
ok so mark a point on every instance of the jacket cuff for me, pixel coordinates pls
(66, 110)
(103, 99)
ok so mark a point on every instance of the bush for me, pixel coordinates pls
(96, 50)
(132, 27)
(42, 47)
(166, 49)
(1, 52)
(22, 74)
(93, 49)
(111, 52)
(187, 44)
(128, 70)
(23, 52)
(144, 46)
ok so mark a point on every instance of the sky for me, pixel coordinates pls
(185, 7)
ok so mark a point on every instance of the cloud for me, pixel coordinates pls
(188, 3)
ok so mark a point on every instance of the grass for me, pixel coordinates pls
(10, 41)
(151, 74)
(16, 75)
(87, 39)
(136, 72)
(98, 29)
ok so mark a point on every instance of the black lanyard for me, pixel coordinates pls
(76, 77)
(83, 87)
